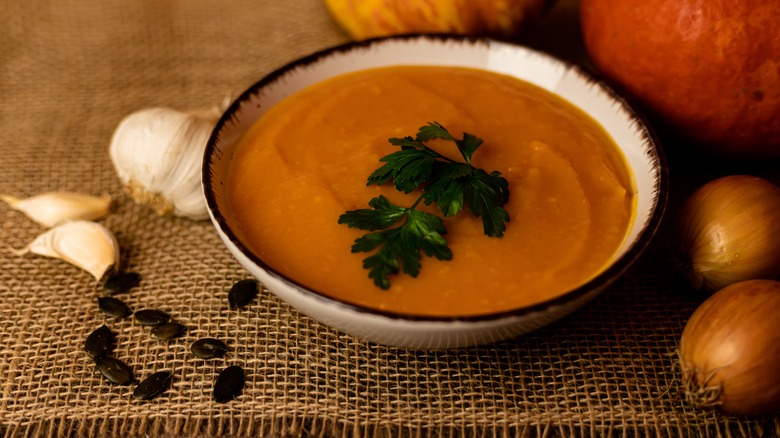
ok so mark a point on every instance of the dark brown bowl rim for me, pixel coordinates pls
(602, 280)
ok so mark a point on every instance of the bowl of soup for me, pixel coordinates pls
(499, 188)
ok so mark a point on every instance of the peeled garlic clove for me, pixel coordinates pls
(52, 208)
(158, 153)
(87, 245)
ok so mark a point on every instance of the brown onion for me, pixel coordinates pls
(729, 231)
(730, 350)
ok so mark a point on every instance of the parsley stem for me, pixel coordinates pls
(414, 206)
(446, 158)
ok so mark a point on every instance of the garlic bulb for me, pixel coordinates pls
(158, 152)
(52, 208)
(85, 244)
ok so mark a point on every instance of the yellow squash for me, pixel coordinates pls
(363, 19)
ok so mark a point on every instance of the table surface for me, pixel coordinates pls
(70, 70)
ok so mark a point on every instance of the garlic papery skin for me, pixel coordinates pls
(52, 208)
(158, 153)
(85, 244)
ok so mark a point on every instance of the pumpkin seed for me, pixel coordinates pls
(242, 292)
(121, 282)
(208, 348)
(99, 342)
(114, 370)
(168, 330)
(151, 317)
(229, 384)
(114, 307)
(152, 385)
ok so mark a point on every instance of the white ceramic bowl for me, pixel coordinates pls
(627, 129)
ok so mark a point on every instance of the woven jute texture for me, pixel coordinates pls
(70, 70)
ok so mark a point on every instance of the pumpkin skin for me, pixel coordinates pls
(709, 69)
(363, 19)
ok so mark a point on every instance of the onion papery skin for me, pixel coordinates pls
(729, 231)
(730, 350)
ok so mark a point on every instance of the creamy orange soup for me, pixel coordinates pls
(305, 162)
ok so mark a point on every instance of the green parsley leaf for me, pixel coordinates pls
(450, 184)
(408, 168)
(433, 130)
(484, 195)
(466, 146)
(382, 214)
(400, 248)
(447, 190)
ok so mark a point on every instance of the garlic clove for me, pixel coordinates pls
(158, 154)
(85, 244)
(52, 208)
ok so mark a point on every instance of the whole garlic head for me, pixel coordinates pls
(157, 154)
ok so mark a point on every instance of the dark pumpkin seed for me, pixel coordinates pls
(151, 317)
(208, 348)
(99, 342)
(242, 292)
(114, 307)
(114, 370)
(168, 330)
(229, 384)
(121, 282)
(152, 385)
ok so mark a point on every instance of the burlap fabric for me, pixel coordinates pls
(70, 70)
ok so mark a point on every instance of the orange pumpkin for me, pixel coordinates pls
(709, 68)
(372, 18)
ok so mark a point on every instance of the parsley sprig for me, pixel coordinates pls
(449, 184)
